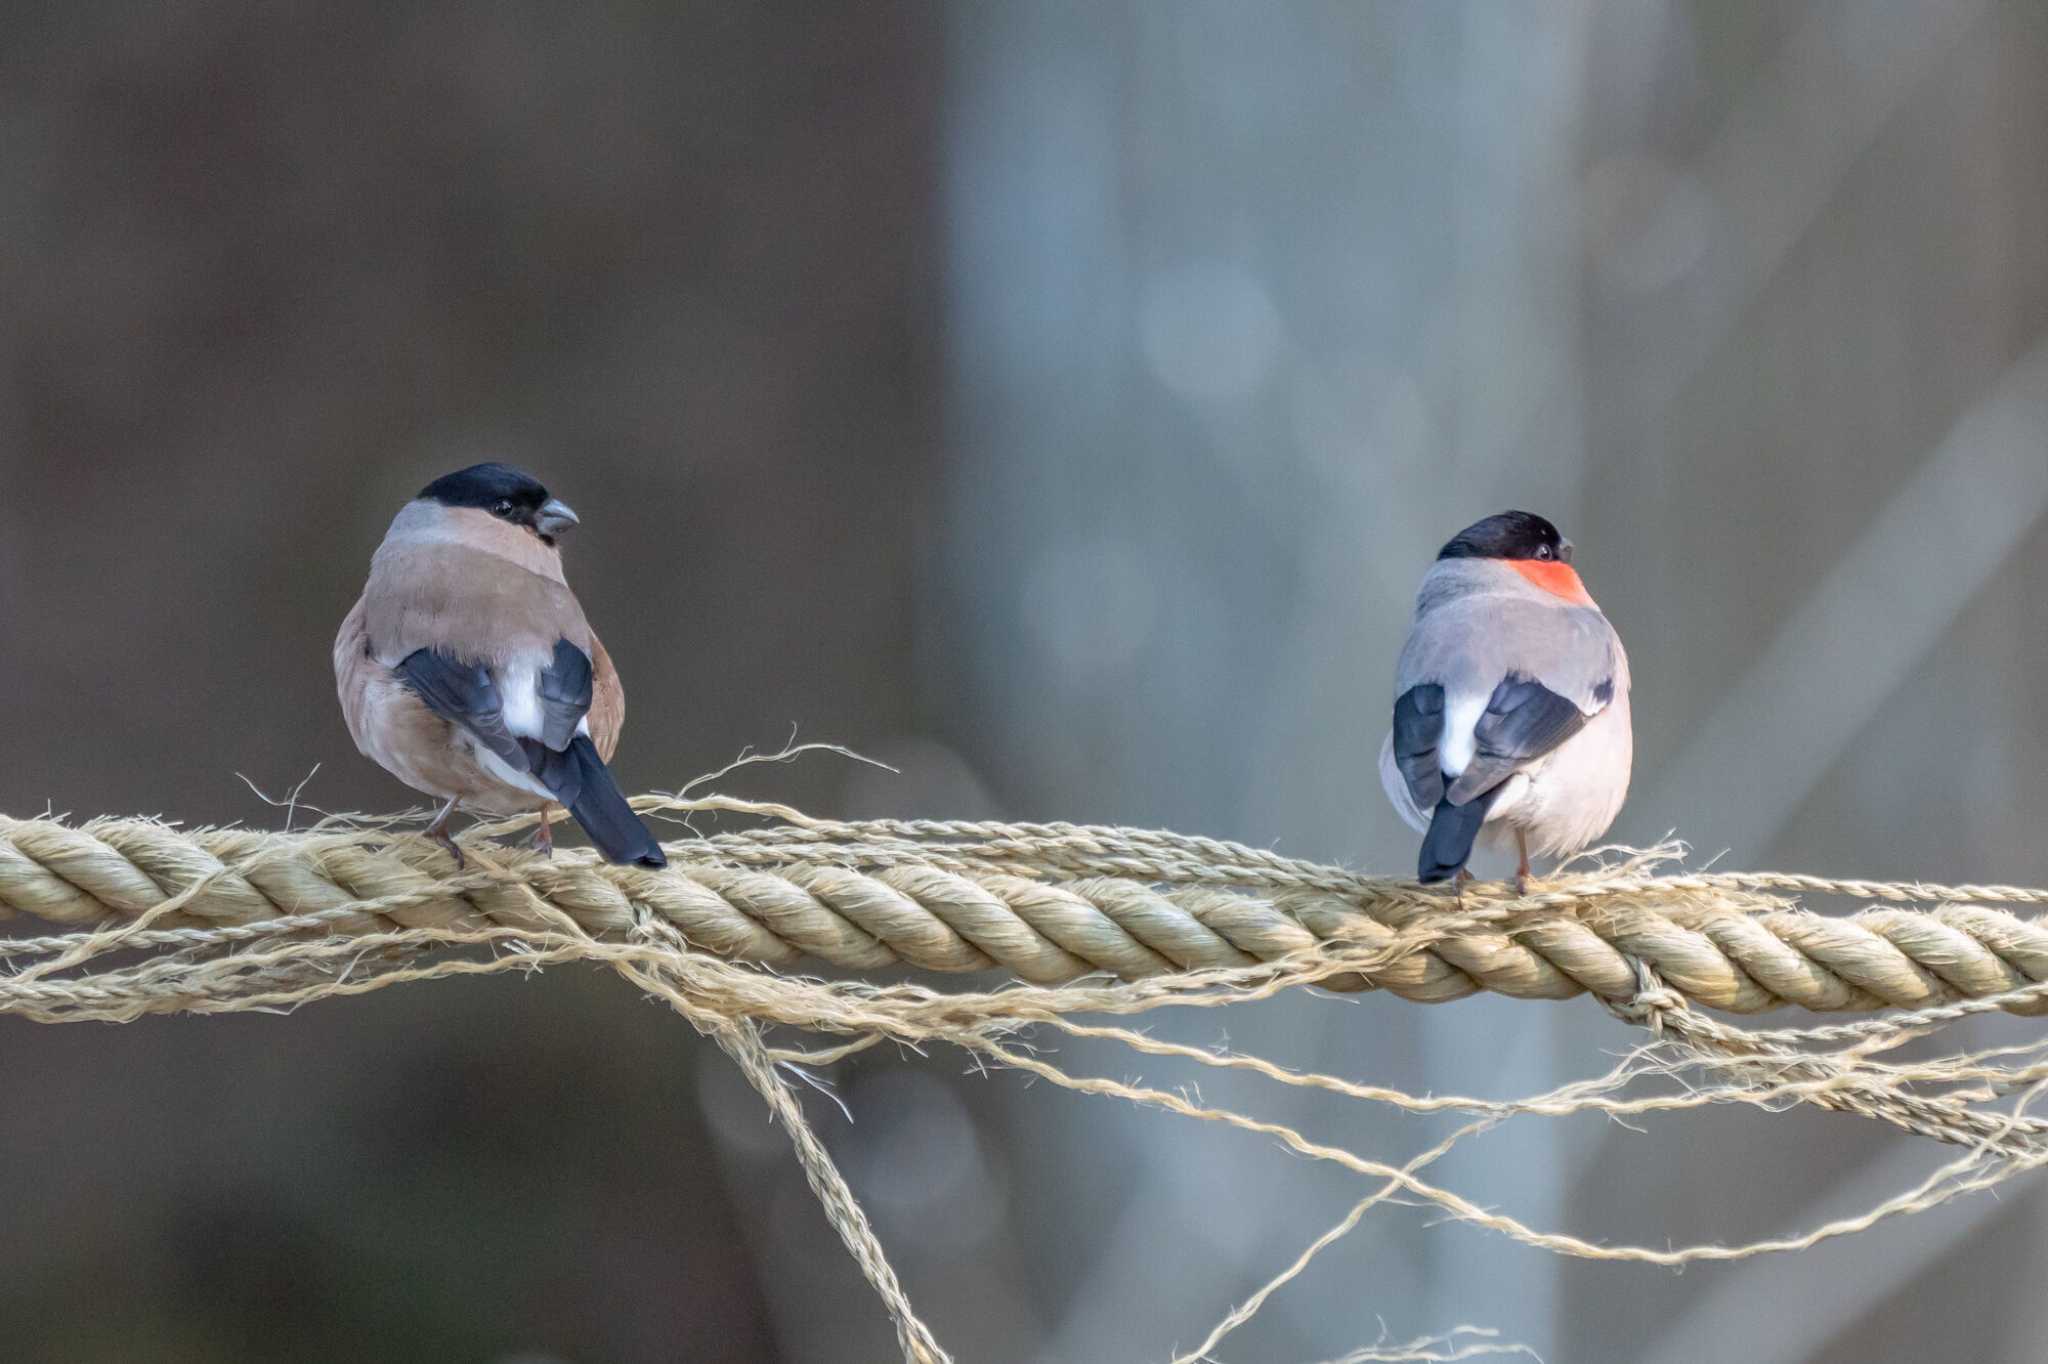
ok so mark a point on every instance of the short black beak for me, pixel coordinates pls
(553, 518)
(1564, 551)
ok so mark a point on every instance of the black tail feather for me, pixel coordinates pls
(1447, 847)
(580, 778)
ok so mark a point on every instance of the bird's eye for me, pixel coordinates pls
(503, 508)
(1543, 551)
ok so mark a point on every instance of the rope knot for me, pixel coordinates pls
(1653, 1001)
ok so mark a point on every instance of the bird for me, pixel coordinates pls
(1511, 704)
(467, 670)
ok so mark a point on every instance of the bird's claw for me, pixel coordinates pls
(438, 831)
(441, 836)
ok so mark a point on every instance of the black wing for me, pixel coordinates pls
(565, 688)
(564, 695)
(467, 694)
(1418, 728)
(1523, 721)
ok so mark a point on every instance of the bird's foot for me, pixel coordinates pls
(544, 836)
(441, 836)
(438, 831)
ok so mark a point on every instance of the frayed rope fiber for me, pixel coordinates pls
(1093, 920)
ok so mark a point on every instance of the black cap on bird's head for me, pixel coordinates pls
(505, 492)
(1510, 535)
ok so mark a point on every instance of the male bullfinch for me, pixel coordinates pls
(1511, 703)
(468, 671)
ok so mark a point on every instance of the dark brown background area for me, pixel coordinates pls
(266, 270)
(269, 269)
(1058, 399)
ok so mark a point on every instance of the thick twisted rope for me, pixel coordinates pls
(163, 919)
(1051, 903)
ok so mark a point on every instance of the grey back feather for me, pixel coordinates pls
(1472, 630)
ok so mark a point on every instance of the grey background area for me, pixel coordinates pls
(1060, 402)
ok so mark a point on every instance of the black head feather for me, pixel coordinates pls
(1510, 535)
(505, 492)
(486, 486)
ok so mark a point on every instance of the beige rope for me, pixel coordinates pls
(1051, 903)
(214, 920)
(742, 1042)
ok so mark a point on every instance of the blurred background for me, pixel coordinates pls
(1060, 402)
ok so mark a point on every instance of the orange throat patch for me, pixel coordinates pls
(1557, 578)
